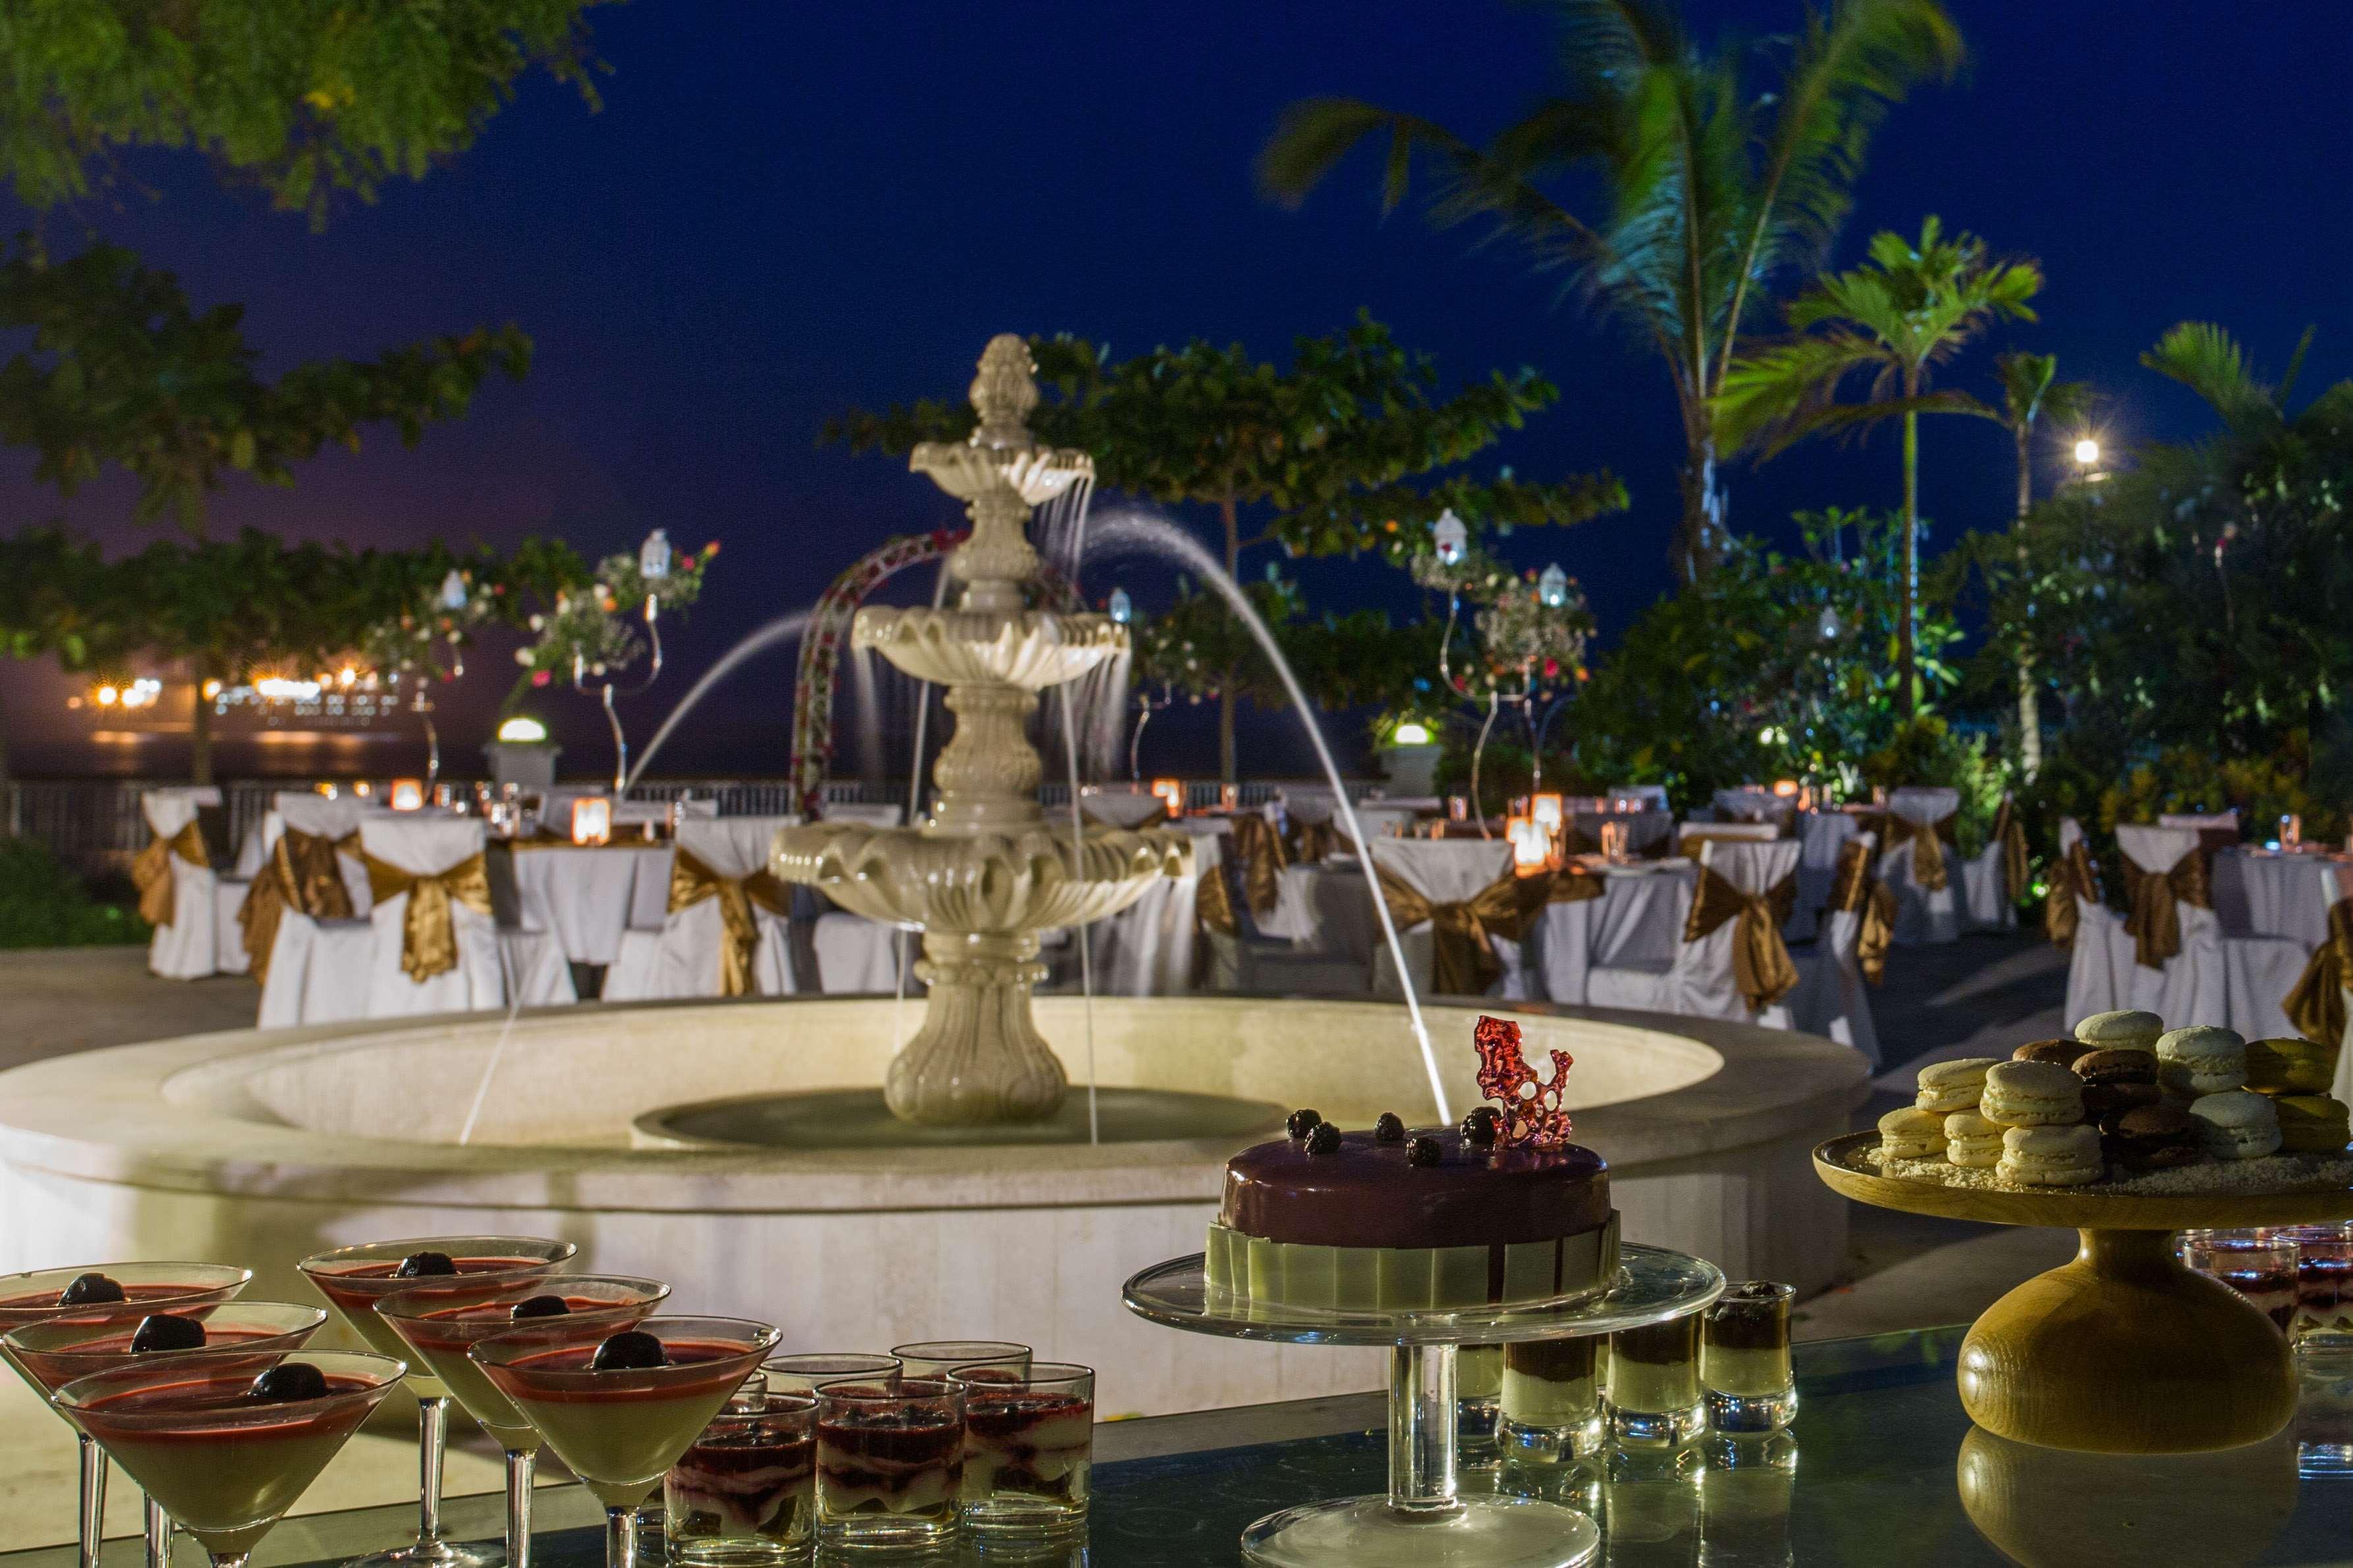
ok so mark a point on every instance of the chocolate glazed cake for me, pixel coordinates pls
(1388, 1220)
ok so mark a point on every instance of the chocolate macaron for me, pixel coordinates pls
(2154, 1138)
(2058, 1053)
(2115, 1066)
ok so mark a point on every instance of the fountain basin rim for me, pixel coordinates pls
(167, 1115)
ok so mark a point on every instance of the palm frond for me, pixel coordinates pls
(2026, 380)
(2207, 360)
(1784, 387)
(2295, 364)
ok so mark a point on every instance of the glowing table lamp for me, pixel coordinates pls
(1548, 811)
(1172, 794)
(1531, 845)
(1785, 788)
(592, 819)
(407, 795)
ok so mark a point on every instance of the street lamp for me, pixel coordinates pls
(2087, 453)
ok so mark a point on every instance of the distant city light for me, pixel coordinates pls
(106, 695)
(278, 689)
(1411, 734)
(523, 731)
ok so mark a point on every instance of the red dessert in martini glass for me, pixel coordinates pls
(226, 1448)
(109, 1290)
(441, 1326)
(354, 1279)
(621, 1412)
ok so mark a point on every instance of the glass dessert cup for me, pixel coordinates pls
(1744, 1358)
(2261, 1265)
(744, 1494)
(807, 1373)
(439, 1326)
(224, 1464)
(1653, 1396)
(354, 1280)
(36, 1298)
(890, 1463)
(2324, 1277)
(1029, 1449)
(1424, 1520)
(1551, 1400)
(621, 1428)
(938, 1358)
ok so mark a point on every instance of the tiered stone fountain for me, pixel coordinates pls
(986, 872)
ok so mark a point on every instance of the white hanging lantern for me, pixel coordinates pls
(453, 590)
(1553, 588)
(1123, 608)
(1453, 540)
(1829, 626)
(653, 556)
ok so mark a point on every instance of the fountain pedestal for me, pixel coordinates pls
(985, 873)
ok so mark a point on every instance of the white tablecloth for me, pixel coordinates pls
(2260, 894)
(1640, 918)
(587, 896)
(1325, 908)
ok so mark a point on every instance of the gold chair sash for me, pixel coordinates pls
(2073, 876)
(1462, 952)
(1761, 965)
(1260, 850)
(1312, 841)
(1856, 888)
(429, 932)
(2011, 834)
(693, 880)
(2317, 1005)
(151, 869)
(2153, 900)
(303, 876)
(1928, 840)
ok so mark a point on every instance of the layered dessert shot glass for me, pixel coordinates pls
(938, 1358)
(1653, 1397)
(2258, 1266)
(744, 1495)
(1552, 1399)
(890, 1463)
(1744, 1362)
(807, 1373)
(2324, 1277)
(1029, 1449)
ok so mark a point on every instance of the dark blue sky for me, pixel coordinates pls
(785, 210)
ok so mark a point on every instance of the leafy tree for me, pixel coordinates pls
(123, 372)
(1908, 309)
(1667, 183)
(57, 602)
(1344, 452)
(304, 98)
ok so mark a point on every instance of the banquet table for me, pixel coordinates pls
(2262, 892)
(586, 895)
(1881, 1467)
(1639, 919)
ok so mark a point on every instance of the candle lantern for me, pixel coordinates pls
(592, 819)
(407, 795)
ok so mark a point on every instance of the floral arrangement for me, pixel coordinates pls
(427, 641)
(585, 631)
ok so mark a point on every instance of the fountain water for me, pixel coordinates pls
(1164, 537)
(781, 629)
(984, 873)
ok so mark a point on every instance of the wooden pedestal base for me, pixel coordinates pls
(2124, 1351)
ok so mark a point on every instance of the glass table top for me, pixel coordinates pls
(1880, 1468)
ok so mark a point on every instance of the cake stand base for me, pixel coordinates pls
(2123, 1350)
(1371, 1533)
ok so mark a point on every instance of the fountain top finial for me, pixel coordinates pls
(1003, 394)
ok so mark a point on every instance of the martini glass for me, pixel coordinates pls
(440, 1326)
(621, 1428)
(225, 1448)
(355, 1278)
(137, 1289)
(53, 1353)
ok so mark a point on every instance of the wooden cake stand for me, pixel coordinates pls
(2123, 1350)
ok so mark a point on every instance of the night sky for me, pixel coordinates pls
(785, 210)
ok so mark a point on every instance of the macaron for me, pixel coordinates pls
(2115, 1067)
(2154, 1138)
(2103, 1102)
(1971, 1141)
(2236, 1124)
(2031, 1094)
(2051, 1156)
(2124, 1031)
(2059, 1053)
(1912, 1134)
(1947, 1087)
(2289, 1066)
(2202, 1059)
(2308, 1124)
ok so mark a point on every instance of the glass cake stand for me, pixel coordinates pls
(1423, 1521)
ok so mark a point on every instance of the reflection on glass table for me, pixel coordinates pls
(1880, 1467)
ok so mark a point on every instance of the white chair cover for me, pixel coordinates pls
(682, 959)
(2190, 988)
(1146, 948)
(1986, 901)
(315, 964)
(1753, 805)
(491, 966)
(1760, 831)
(2099, 969)
(1823, 835)
(1120, 808)
(857, 956)
(1444, 871)
(872, 814)
(188, 948)
(1698, 980)
(1831, 998)
(1921, 915)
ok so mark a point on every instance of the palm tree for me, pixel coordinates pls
(2030, 390)
(1909, 308)
(1710, 187)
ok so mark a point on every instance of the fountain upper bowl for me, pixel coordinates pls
(1034, 649)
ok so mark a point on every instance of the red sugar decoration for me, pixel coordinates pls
(1530, 1107)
